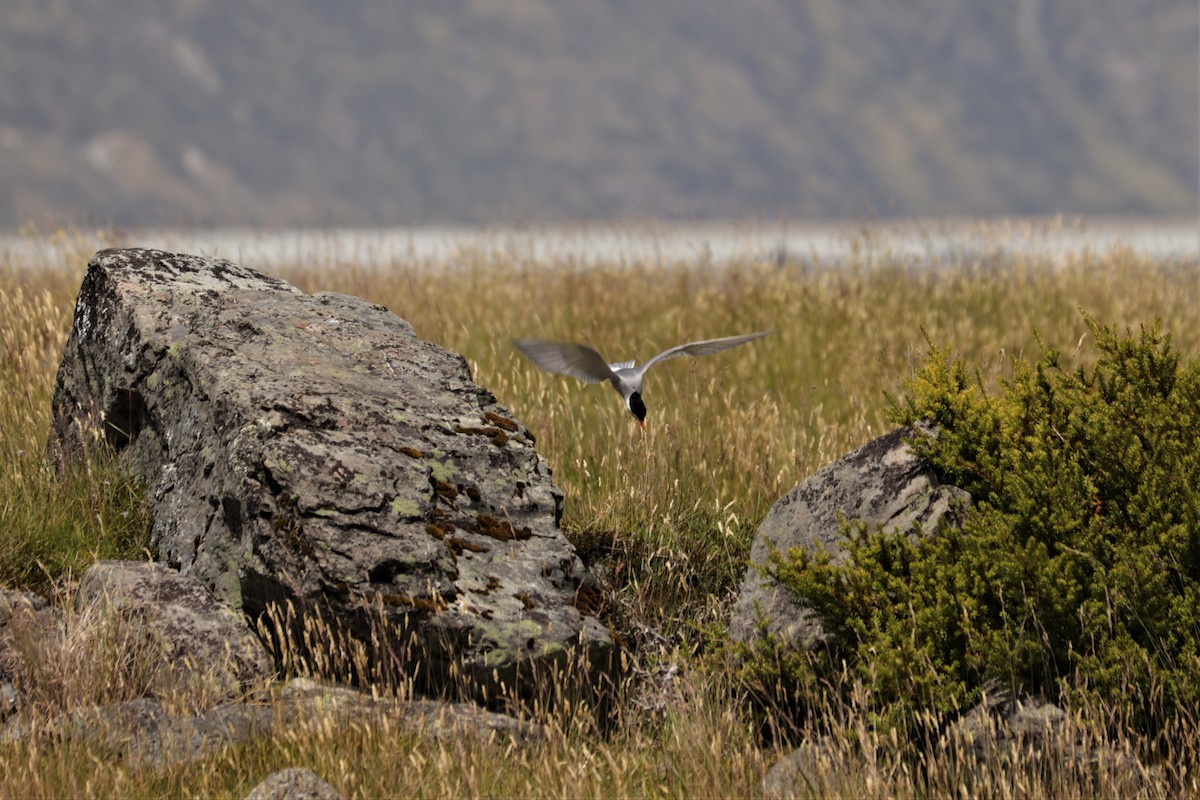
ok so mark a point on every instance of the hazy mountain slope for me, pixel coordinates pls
(315, 111)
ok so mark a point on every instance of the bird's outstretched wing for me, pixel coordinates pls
(577, 360)
(704, 348)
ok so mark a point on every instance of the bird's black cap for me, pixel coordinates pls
(637, 407)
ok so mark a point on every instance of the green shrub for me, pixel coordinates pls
(1077, 572)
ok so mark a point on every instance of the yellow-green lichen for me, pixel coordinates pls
(442, 471)
(405, 507)
(523, 631)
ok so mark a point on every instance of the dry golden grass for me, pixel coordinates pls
(667, 518)
(729, 434)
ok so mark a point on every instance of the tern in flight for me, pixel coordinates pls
(582, 362)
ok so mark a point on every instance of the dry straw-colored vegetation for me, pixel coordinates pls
(666, 517)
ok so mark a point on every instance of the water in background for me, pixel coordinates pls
(716, 243)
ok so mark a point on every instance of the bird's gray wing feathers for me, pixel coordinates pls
(576, 360)
(704, 348)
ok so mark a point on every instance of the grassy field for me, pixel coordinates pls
(666, 517)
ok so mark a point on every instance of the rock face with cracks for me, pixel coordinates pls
(312, 449)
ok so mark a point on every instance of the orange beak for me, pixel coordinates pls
(642, 422)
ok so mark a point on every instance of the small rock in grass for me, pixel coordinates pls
(293, 784)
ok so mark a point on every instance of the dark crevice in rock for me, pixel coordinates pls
(231, 507)
(384, 572)
(269, 480)
(124, 418)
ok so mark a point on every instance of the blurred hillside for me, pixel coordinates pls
(370, 112)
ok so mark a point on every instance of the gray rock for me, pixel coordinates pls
(293, 784)
(117, 727)
(25, 618)
(882, 483)
(142, 730)
(304, 697)
(19, 610)
(991, 727)
(312, 449)
(1000, 735)
(190, 739)
(9, 702)
(204, 646)
(817, 768)
(16, 601)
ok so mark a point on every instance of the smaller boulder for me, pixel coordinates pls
(293, 784)
(205, 646)
(144, 732)
(9, 702)
(118, 727)
(12, 602)
(21, 612)
(305, 698)
(1000, 735)
(880, 484)
(24, 617)
(819, 767)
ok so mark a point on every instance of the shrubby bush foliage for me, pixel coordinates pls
(1077, 572)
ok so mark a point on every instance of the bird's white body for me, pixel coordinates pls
(584, 363)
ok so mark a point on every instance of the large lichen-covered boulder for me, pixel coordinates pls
(312, 449)
(880, 484)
